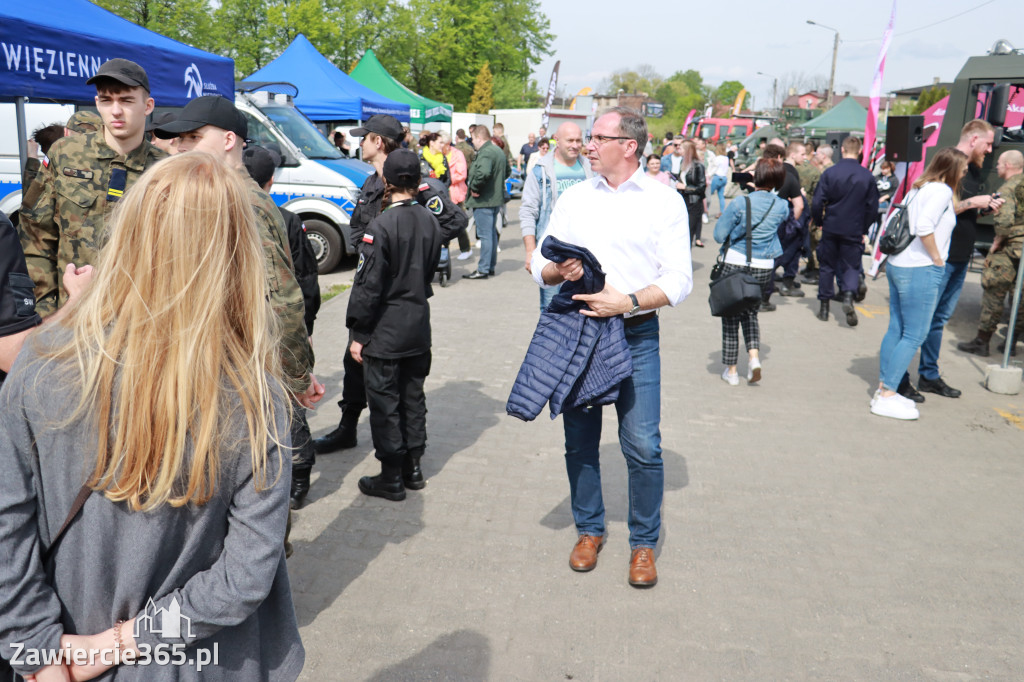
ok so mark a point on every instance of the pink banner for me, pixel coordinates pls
(689, 117)
(871, 127)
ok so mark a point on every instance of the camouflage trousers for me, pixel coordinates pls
(815, 238)
(997, 280)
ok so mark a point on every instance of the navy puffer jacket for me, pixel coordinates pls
(573, 360)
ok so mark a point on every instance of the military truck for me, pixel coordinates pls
(989, 87)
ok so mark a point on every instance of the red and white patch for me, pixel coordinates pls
(424, 187)
(368, 238)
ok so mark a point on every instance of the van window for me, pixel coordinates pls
(258, 132)
(707, 130)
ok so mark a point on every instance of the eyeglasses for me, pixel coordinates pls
(601, 139)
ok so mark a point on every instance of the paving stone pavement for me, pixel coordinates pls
(803, 538)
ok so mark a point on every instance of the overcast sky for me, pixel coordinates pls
(734, 39)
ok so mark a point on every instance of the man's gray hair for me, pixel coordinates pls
(632, 125)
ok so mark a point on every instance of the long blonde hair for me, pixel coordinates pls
(174, 337)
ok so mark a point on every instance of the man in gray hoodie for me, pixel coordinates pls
(552, 175)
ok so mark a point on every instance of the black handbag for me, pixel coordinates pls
(738, 291)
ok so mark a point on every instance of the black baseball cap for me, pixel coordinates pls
(402, 168)
(212, 110)
(124, 71)
(261, 163)
(160, 120)
(383, 125)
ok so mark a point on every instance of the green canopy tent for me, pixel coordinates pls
(847, 116)
(371, 73)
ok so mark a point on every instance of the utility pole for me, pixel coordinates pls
(775, 89)
(835, 54)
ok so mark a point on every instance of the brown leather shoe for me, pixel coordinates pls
(584, 554)
(642, 572)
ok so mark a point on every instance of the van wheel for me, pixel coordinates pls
(326, 244)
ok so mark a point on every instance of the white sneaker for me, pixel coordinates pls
(479, 243)
(894, 408)
(754, 371)
(464, 255)
(732, 379)
(498, 248)
(876, 396)
(704, 218)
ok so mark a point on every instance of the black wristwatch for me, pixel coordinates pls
(636, 305)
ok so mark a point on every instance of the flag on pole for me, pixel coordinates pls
(871, 128)
(552, 86)
(689, 117)
(739, 101)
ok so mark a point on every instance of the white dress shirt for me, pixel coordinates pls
(639, 232)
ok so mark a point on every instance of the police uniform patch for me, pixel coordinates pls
(362, 261)
(76, 173)
(424, 187)
(435, 205)
(368, 238)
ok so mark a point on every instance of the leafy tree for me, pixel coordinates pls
(187, 21)
(483, 97)
(928, 98)
(244, 34)
(726, 93)
(643, 79)
(511, 92)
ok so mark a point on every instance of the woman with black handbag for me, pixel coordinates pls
(766, 213)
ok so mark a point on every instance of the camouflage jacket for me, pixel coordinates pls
(1009, 220)
(809, 176)
(64, 219)
(285, 294)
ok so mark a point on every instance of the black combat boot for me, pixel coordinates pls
(851, 314)
(809, 276)
(342, 437)
(788, 287)
(412, 475)
(387, 484)
(766, 305)
(976, 346)
(862, 289)
(300, 486)
(823, 311)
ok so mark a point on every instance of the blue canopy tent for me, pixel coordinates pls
(50, 49)
(326, 93)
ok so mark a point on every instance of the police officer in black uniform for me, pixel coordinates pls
(389, 320)
(381, 135)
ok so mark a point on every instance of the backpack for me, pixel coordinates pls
(898, 233)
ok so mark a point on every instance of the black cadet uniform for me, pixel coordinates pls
(452, 219)
(389, 314)
(17, 291)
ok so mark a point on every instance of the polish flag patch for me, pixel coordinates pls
(368, 238)
(424, 187)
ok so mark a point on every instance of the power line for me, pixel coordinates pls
(921, 28)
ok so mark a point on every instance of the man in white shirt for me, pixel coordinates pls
(637, 228)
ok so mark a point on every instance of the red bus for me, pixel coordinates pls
(716, 129)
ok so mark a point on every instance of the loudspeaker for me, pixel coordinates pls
(904, 138)
(835, 140)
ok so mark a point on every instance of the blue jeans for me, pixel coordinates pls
(546, 294)
(949, 293)
(485, 220)
(913, 295)
(718, 183)
(639, 412)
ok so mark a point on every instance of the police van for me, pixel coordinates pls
(314, 181)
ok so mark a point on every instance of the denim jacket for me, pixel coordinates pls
(540, 192)
(764, 237)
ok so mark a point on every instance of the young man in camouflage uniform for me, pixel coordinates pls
(213, 125)
(65, 221)
(1000, 273)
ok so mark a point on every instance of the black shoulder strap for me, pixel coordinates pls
(750, 229)
(76, 507)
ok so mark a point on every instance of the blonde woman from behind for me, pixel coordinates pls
(161, 392)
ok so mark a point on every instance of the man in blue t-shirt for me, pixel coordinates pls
(548, 179)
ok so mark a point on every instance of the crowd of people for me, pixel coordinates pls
(163, 399)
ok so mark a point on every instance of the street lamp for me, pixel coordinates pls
(775, 88)
(835, 52)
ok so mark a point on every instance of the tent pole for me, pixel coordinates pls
(19, 107)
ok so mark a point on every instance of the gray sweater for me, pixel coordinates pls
(221, 564)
